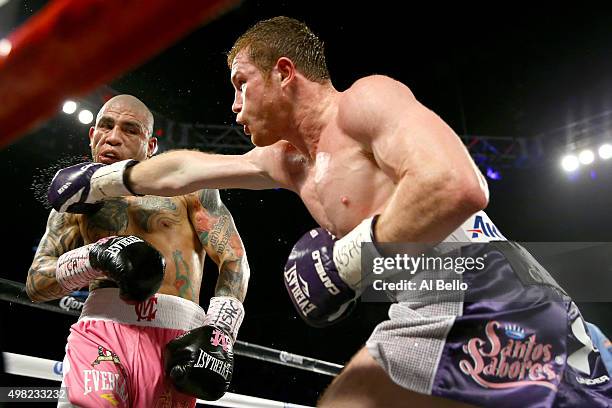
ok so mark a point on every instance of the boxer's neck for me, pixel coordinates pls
(317, 105)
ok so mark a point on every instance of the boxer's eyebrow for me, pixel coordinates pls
(133, 126)
(105, 121)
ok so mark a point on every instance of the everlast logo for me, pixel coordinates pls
(299, 297)
(94, 380)
(211, 363)
(64, 187)
(122, 243)
(513, 363)
(146, 310)
(327, 282)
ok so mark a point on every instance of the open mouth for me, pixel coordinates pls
(108, 158)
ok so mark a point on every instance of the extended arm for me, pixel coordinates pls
(184, 171)
(79, 188)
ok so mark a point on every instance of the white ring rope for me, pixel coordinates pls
(28, 366)
(11, 291)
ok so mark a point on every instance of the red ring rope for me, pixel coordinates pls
(72, 46)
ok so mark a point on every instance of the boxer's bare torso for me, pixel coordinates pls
(166, 224)
(182, 228)
(342, 186)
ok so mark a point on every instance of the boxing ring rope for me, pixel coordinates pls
(42, 368)
(14, 292)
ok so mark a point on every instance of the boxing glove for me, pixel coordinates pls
(323, 274)
(79, 188)
(200, 363)
(134, 264)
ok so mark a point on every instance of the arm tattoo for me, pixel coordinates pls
(218, 234)
(62, 235)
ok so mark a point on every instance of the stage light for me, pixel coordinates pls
(605, 151)
(85, 116)
(586, 157)
(493, 174)
(5, 47)
(569, 163)
(69, 107)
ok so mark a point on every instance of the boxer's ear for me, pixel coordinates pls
(152, 146)
(285, 67)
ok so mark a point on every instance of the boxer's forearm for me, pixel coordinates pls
(62, 235)
(429, 210)
(183, 171)
(41, 285)
(215, 227)
(233, 278)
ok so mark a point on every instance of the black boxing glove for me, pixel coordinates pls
(200, 362)
(134, 264)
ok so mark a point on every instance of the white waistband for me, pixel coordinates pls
(165, 311)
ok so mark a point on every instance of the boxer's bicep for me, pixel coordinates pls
(217, 232)
(61, 235)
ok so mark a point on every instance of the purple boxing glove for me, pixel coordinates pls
(80, 188)
(323, 274)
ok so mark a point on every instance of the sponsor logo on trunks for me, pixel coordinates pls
(105, 354)
(515, 331)
(482, 228)
(211, 363)
(509, 358)
(220, 339)
(593, 381)
(299, 290)
(327, 282)
(94, 381)
(69, 303)
(146, 310)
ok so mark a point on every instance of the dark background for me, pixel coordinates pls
(510, 71)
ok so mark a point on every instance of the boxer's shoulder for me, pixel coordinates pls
(370, 102)
(148, 213)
